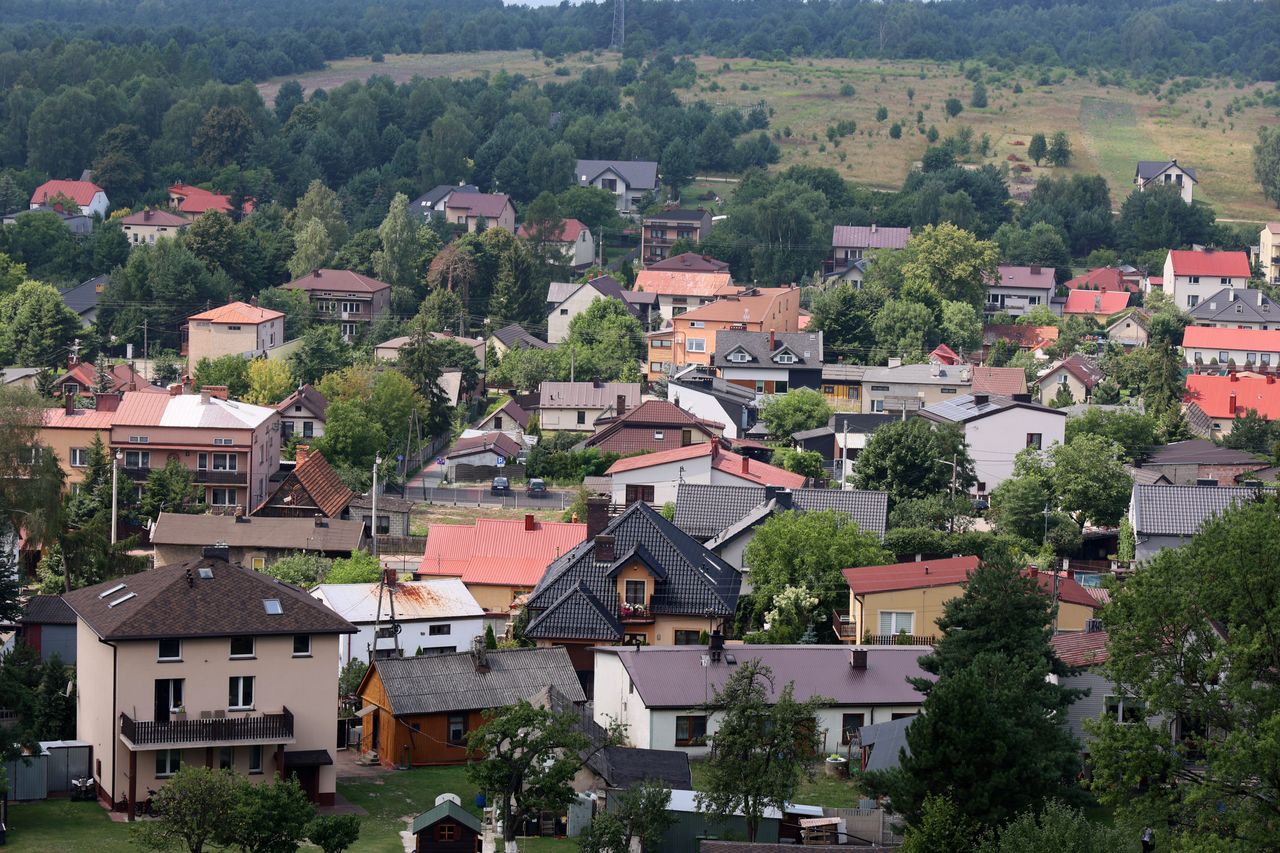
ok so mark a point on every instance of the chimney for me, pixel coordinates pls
(981, 399)
(1035, 270)
(529, 524)
(771, 493)
(716, 645)
(106, 402)
(783, 497)
(1261, 297)
(1271, 379)
(300, 454)
(241, 518)
(857, 658)
(894, 362)
(315, 273)
(1022, 398)
(216, 391)
(175, 390)
(746, 465)
(389, 577)
(1233, 378)
(1231, 403)
(479, 655)
(70, 402)
(596, 382)
(926, 568)
(253, 300)
(204, 396)
(622, 404)
(604, 548)
(146, 215)
(773, 340)
(320, 520)
(597, 515)
(220, 551)
(873, 228)
(715, 446)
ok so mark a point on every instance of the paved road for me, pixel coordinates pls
(433, 493)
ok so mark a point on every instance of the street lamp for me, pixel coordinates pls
(115, 480)
(377, 462)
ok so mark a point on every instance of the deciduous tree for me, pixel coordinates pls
(797, 410)
(269, 381)
(911, 459)
(192, 809)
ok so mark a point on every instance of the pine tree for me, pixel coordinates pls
(513, 299)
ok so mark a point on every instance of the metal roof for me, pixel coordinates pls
(805, 346)
(967, 408)
(258, 531)
(705, 511)
(442, 598)
(510, 552)
(1200, 451)
(887, 742)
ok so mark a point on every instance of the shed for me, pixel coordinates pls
(448, 828)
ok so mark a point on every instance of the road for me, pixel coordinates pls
(480, 496)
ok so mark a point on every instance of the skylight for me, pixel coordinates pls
(206, 572)
(272, 606)
(111, 591)
(122, 599)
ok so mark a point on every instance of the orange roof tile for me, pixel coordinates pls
(81, 192)
(498, 551)
(1224, 264)
(730, 308)
(914, 575)
(1250, 340)
(238, 312)
(673, 283)
(1227, 396)
(322, 482)
(80, 419)
(1080, 648)
(1102, 303)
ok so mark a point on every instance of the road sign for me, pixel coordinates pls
(439, 460)
(502, 461)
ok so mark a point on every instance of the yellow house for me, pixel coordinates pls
(886, 602)
(238, 328)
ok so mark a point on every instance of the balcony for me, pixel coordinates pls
(899, 639)
(207, 731)
(137, 474)
(222, 478)
(632, 614)
(844, 627)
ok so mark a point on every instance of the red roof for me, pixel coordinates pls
(497, 442)
(79, 419)
(1002, 381)
(81, 192)
(689, 262)
(1223, 264)
(326, 279)
(570, 231)
(759, 307)
(1227, 396)
(122, 378)
(724, 461)
(944, 355)
(1103, 278)
(1097, 302)
(915, 575)
(237, 312)
(498, 551)
(197, 200)
(1249, 340)
(674, 283)
(1080, 648)
(1069, 590)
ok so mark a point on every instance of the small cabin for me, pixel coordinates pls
(448, 828)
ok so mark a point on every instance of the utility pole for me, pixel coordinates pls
(954, 463)
(572, 362)
(115, 479)
(146, 349)
(377, 461)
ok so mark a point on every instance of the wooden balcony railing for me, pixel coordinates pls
(843, 626)
(259, 728)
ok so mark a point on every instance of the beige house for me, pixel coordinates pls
(302, 413)
(238, 328)
(470, 209)
(148, 226)
(69, 432)
(348, 298)
(210, 664)
(1076, 373)
(911, 387)
(1129, 329)
(1269, 252)
(574, 406)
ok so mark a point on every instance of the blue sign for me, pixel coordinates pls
(502, 461)
(439, 460)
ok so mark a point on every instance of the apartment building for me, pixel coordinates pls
(662, 230)
(237, 328)
(691, 337)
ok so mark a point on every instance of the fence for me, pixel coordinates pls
(479, 473)
(401, 544)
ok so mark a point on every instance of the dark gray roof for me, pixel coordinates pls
(888, 741)
(967, 408)
(816, 432)
(1199, 451)
(258, 531)
(515, 335)
(1181, 510)
(704, 511)
(639, 174)
(625, 766)
(448, 809)
(309, 398)
(435, 195)
(1148, 169)
(576, 615)
(679, 215)
(805, 346)
(434, 684)
(84, 297)
(1238, 305)
(859, 423)
(47, 610)
(696, 581)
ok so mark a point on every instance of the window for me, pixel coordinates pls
(240, 693)
(696, 344)
(850, 723)
(139, 439)
(1034, 439)
(458, 729)
(255, 759)
(564, 312)
(688, 638)
(222, 497)
(348, 330)
(780, 387)
(70, 389)
(446, 832)
(639, 493)
(1250, 357)
(879, 387)
(1224, 281)
(308, 429)
(233, 328)
(439, 630)
(169, 649)
(302, 645)
(697, 324)
(79, 457)
(655, 367)
(739, 357)
(272, 606)
(384, 524)
(948, 390)
(829, 390)
(785, 358)
(582, 417)
(1266, 358)
(137, 459)
(1122, 709)
(659, 435)
(877, 406)
(225, 462)
(286, 429)
(1193, 300)
(894, 622)
(167, 762)
(661, 343)
(691, 731)
(223, 442)
(634, 593)
(168, 695)
(227, 758)
(351, 307)
(1223, 357)
(259, 563)
(242, 647)
(1195, 279)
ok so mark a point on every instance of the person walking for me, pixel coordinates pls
(1148, 840)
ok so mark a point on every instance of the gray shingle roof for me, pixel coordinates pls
(639, 174)
(84, 296)
(806, 346)
(1239, 305)
(1148, 169)
(515, 335)
(576, 615)
(697, 582)
(259, 531)
(1199, 451)
(705, 511)
(433, 684)
(1181, 510)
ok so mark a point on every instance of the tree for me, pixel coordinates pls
(908, 459)
(1018, 506)
(1252, 432)
(55, 711)
(322, 351)
(227, 371)
(1172, 654)
(961, 327)
(323, 205)
(293, 304)
(516, 297)
(351, 676)
(942, 828)
(808, 549)
(904, 329)
(640, 813)
(334, 833)
(1266, 164)
(979, 98)
(360, 567)
(529, 758)
(222, 137)
(270, 817)
(1158, 219)
(192, 809)
(171, 489)
(806, 462)
(1134, 431)
(1060, 149)
(300, 569)
(1063, 397)
(797, 410)
(948, 263)
(761, 748)
(606, 341)
(1038, 147)
(269, 381)
(1055, 827)
(442, 311)
(312, 249)
(1088, 479)
(36, 326)
(954, 107)
(794, 612)
(396, 262)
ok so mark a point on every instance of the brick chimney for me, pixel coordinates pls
(622, 404)
(70, 402)
(1231, 403)
(773, 340)
(106, 402)
(604, 548)
(218, 392)
(175, 390)
(597, 515)
(300, 454)
(315, 273)
(746, 465)
(253, 300)
(529, 524)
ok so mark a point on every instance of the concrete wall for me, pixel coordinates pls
(414, 634)
(149, 233)
(61, 441)
(700, 404)
(995, 440)
(1049, 386)
(567, 419)
(214, 340)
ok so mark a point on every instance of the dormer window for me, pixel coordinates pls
(739, 357)
(785, 358)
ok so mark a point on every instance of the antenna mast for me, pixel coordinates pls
(619, 36)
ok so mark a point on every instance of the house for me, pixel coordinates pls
(498, 560)
(509, 337)
(353, 300)
(655, 477)
(713, 399)
(1169, 516)
(1269, 252)
(88, 196)
(1245, 348)
(418, 711)
(575, 406)
(253, 541)
(83, 298)
(302, 413)
(574, 243)
(69, 433)
(689, 262)
(510, 417)
(195, 201)
(1244, 308)
(640, 579)
(842, 386)
(1129, 329)
(996, 428)
(1224, 398)
(48, 626)
(769, 362)
(1016, 290)
(909, 598)
(1086, 653)
(1077, 374)
(19, 377)
(1108, 280)
(147, 226)
(429, 617)
(394, 514)
(447, 828)
(904, 388)
(1096, 303)
(630, 180)
(232, 448)
(651, 426)
(479, 453)
(1151, 173)
(998, 381)
(566, 300)
(1198, 461)
(313, 489)
(725, 518)
(851, 243)
(205, 661)
(1032, 339)
(661, 231)
(1190, 277)
(79, 224)
(82, 379)
(943, 354)
(661, 692)
(474, 210)
(238, 328)
(843, 437)
(690, 337)
(432, 203)
(679, 290)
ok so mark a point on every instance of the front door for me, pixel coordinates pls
(168, 698)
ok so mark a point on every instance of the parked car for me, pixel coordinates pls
(501, 486)
(537, 488)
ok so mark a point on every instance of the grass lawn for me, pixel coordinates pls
(821, 790)
(55, 826)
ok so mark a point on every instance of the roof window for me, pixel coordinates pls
(272, 606)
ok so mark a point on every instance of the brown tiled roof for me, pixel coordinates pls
(322, 482)
(258, 531)
(308, 396)
(1001, 381)
(347, 280)
(1081, 648)
(651, 415)
(177, 601)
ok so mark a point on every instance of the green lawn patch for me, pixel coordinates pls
(821, 790)
(1116, 142)
(56, 826)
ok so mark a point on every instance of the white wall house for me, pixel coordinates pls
(655, 477)
(1153, 173)
(997, 428)
(1207, 345)
(629, 180)
(1190, 277)
(714, 399)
